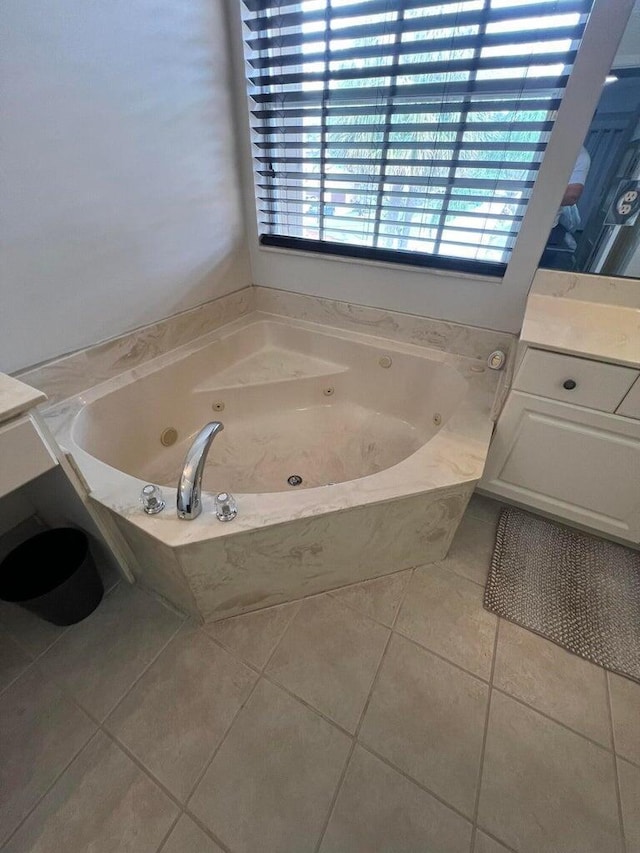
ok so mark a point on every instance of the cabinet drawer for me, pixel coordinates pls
(630, 406)
(23, 454)
(581, 381)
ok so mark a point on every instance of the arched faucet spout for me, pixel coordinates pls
(189, 504)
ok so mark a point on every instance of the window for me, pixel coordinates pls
(404, 130)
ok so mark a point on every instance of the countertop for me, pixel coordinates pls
(16, 397)
(587, 315)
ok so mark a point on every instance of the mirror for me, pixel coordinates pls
(597, 230)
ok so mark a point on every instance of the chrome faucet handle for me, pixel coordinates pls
(226, 507)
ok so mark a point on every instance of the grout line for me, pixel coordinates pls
(27, 669)
(26, 650)
(612, 735)
(362, 715)
(139, 677)
(485, 735)
(415, 781)
(497, 840)
(67, 630)
(271, 680)
(284, 634)
(220, 645)
(477, 516)
(182, 809)
(169, 831)
(208, 763)
(207, 831)
(510, 695)
(627, 760)
(262, 675)
(166, 791)
(475, 675)
(42, 797)
(334, 798)
(459, 574)
(620, 755)
(99, 727)
(237, 654)
(616, 771)
(553, 720)
(335, 594)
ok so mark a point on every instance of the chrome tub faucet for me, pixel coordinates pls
(189, 504)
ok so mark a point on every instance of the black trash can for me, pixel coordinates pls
(53, 574)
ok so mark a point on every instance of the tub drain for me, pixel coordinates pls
(294, 480)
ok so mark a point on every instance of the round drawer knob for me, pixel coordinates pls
(569, 384)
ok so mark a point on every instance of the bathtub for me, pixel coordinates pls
(386, 440)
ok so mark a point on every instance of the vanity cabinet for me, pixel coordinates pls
(28, 451)
(567, 443)
(630, 406)
(24, 452)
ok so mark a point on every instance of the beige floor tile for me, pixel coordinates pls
(625, 706)
(13, 660)
(472, 548)
(254, 636)
(16, 535)
(329, 657)
(271, 784)
(379, 809)
(103, 803)
(32, 633)
(484, 508)
(554, 681)
(484, 844)
(40, 733)
(178, 712)
(444, 613)
(187, 837)
(99, 658)
(544, 788)
(629, 776)
(428, 717)
(379, 598)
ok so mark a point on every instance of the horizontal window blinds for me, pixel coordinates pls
(404, 130)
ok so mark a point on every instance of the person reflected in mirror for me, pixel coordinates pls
(561, 245)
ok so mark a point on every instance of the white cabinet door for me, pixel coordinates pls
(630, 406)
(575, 464)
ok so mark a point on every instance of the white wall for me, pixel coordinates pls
(119, 191)
(495, 304)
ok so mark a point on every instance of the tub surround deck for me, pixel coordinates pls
(313, 539)
(67, 376)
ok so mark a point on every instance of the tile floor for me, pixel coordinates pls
(396, 715)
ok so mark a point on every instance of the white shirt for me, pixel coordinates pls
(578, 176)
(581, 169)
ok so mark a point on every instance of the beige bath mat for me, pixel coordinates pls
(580, 591)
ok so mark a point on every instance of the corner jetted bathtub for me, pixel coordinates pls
(388, 440)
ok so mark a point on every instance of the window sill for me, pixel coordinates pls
(344, 259)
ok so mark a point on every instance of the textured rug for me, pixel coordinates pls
(578, 590)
